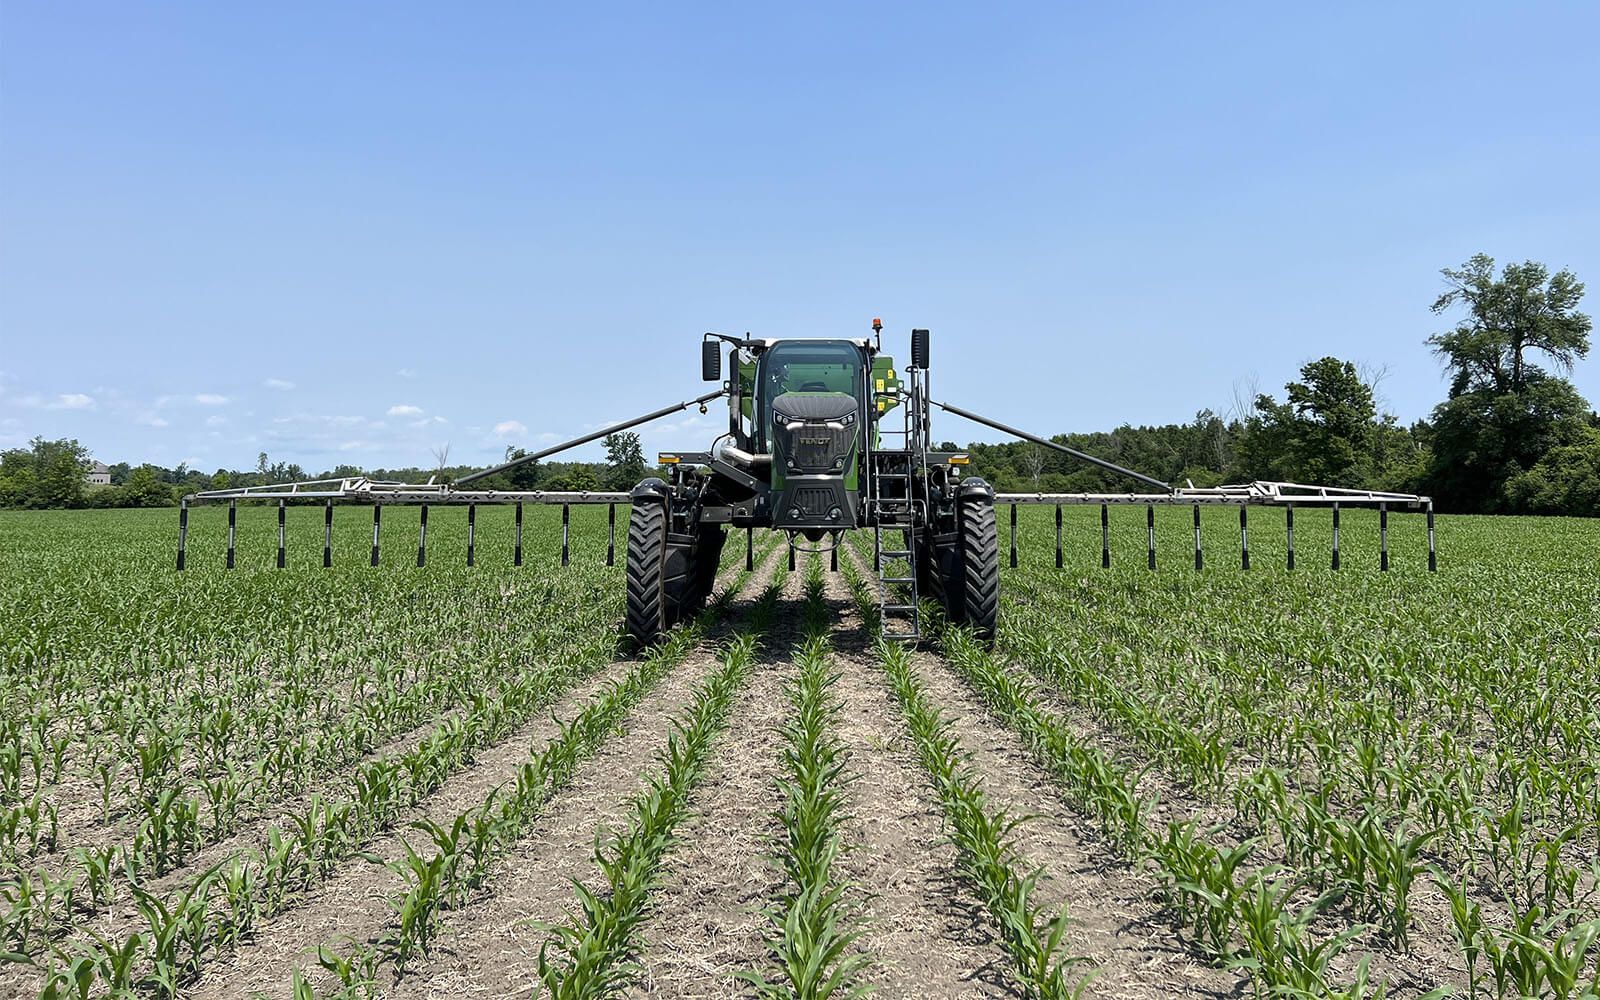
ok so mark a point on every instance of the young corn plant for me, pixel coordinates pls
(814, 926)
(178, 932)
(98, 865)
(1280, 953)
(1201, 884)
(356, 970)
(1466, 923)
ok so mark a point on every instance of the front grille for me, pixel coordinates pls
(813, 500)
(816, 448)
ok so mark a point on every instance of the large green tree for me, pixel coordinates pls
(625, 456)
(1565, 481)
(1326, 433)
(145, 488)
(45, 474)
(1505, 412)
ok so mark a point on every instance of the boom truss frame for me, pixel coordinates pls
(378, 493)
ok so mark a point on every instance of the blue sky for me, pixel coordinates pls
(352, 232)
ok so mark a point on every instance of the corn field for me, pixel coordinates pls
(396, 781)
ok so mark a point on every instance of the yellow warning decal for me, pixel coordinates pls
(880, 385)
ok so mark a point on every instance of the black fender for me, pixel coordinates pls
(653, 489)
(973, 487)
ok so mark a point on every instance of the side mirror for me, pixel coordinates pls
(711, 360)
(919, 349)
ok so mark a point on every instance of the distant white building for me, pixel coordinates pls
(99, 474)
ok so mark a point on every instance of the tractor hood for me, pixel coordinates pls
(814, 405)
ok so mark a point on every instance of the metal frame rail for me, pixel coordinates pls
(1262, 494)
(380, 493)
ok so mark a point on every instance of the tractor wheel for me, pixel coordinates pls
(703, 575)
(979, 565)
(938, 576)
(648, 615)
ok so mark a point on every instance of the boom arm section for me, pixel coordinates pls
(1259, 492)
(364, 490)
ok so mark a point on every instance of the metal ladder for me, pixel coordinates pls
(895, 508)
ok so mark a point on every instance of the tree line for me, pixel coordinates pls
(50, 475)
(1513, 435)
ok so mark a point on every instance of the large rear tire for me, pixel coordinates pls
(979, 565)
(647, 613)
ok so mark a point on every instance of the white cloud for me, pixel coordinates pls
(407, 373)
(278, 383)
(73, 401)
(210, 399)
(405, 410)
(216, 420)
(510, 428)
(151, 420)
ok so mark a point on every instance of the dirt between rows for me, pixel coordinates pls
(926, 933)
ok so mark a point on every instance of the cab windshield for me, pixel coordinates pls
(810, 368)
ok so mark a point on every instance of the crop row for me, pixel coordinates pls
(815, 922)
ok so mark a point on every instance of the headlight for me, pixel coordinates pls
(780, 420)
(849, 418)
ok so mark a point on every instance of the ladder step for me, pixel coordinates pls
(897, 579)
(895, 553)
(900, 636)
(898, 607)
